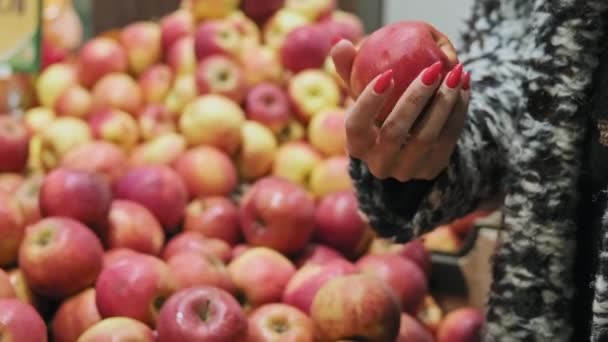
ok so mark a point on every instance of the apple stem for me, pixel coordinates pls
(44, 238)
(205, 310)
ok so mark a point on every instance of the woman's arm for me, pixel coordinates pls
(402, 210)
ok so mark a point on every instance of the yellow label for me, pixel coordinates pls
(19, 33)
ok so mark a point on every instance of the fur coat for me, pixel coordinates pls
(534, 65)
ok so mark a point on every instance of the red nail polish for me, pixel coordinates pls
(466, 81)
(383, 82)
(335, 40)
(430, 75)
(454, 77)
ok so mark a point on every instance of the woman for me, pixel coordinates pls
(531, 130)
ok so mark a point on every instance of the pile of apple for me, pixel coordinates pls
(186, 180)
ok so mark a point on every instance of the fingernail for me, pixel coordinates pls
(454, 77)
(466, 81)
(383, 82)
(430, 75)
(335, 40)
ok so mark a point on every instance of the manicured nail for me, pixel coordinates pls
(466, 81)
(430, 75)
(335, 40)
(383, 82)
(454, 77)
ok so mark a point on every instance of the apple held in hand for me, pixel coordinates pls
(14, 144)
(268, 104)
(118, 329)
(214, 217)
(191, 241)
(192, 269)
(260, 275)
(159, 189)
(313, 91)
(213, 120)
(222, 76)
(142, 42)
(135, 286)
(61, 188)
(356, 305)
(100, 157)
(20, 322)
(406, 47)
(461, 325)
(54, 261)
(132, 226)
(207, 171)
(202, 314)
(99, 57)
(74, 316)
(304, 285)
(305, 47)
(277, 213)
(279, 322)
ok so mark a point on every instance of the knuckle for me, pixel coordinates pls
(425, 140)
(354, 127)
(392, 131)
(416, 100)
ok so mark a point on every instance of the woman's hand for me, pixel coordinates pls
(418, 137)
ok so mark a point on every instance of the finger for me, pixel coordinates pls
(397, 125)
(455, 123)
(430, 126)
(361, 133)
(343, 54)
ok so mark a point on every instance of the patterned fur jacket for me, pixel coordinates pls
(535, 67)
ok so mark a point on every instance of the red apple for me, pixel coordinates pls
(213, 120)
(249, 32)
(100, 157)
(117, 91)
(277, 213)
(260, 10)
(305, 47)
(155, 83)
(74, 101)
(27, 198)
(135, 286)
(14, 144)
(118, 329)
(201, 314)
(327, 133)
(356, 305)
(99, 57)
(113, 255)
(54, 261)
(313, 91)
(412, 331)
(207, 171)
(279, 322)
(53, 81)
(408, 48)
(442, 239)
(161, 150)
(266, 284)
(403, 276)
(74, 316)
(316, 254)
(191, 241)
(24, 292)
(258, 150)
(312, 9)
(304, 285)
(430, 314)
(345, 25)
(174, 26)
(415, 251)
(159, 189)
(220, 75)
(6, 287)
(79, 194)
(268, 104)
(278, 26)
(131, 225)
(461, 325)
(295, 161)
(192, 269)
(181, 57)
(216, 37)
(214, 217)
(142, 42)
(340, 226)
(12, 229)
(330, 176)
(261, 64)
(239, 249)
(51, 53)
(155, 120)
(20, 322)
(10, 182)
